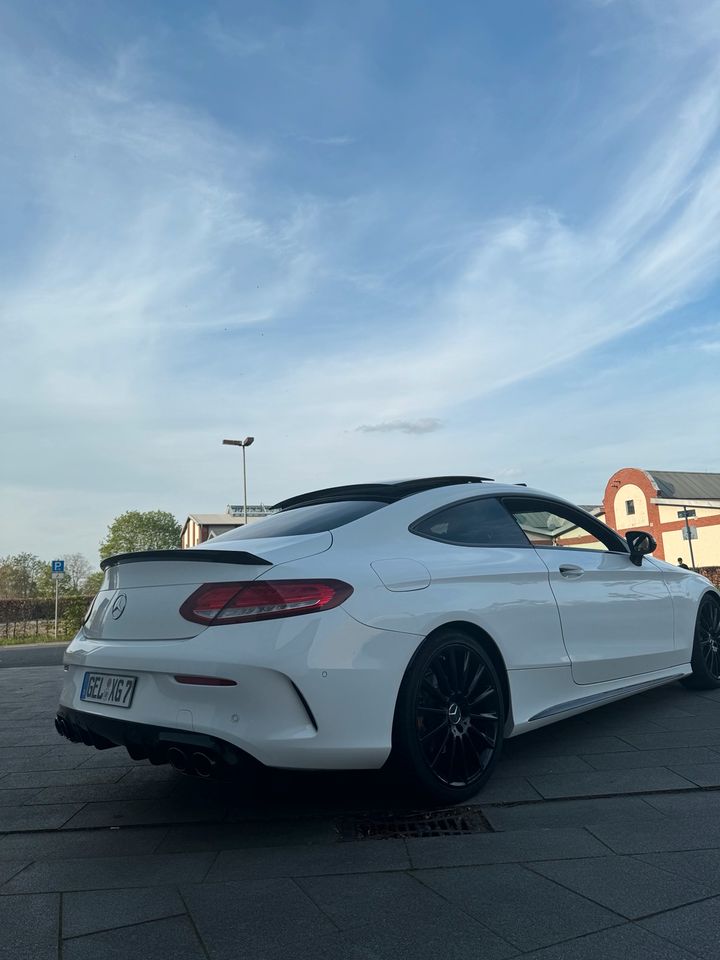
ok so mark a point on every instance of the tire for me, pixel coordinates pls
(706, 647)
(449, 719)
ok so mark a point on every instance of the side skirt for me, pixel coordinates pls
(597, 699)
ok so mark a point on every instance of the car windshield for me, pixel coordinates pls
(315, 518)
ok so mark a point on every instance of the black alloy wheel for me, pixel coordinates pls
(709, 627)
(706, 647)
(449, 725)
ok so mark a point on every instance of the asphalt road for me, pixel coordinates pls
(32, 655)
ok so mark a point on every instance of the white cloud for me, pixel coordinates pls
(157, 245)
(423, 425)
(148, 235)
(233, 42)
(536, 291)
(340, 140)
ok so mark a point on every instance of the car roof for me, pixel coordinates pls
(429, 495)
(414, 505)
(387, 491)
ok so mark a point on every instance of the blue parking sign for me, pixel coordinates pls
(58, 566)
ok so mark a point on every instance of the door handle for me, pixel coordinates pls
(570, 571)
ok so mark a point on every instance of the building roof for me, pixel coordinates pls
(543, 522)
(681, 485)
(216, 519)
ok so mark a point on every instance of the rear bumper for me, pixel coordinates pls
(143, 741)
(316, 692)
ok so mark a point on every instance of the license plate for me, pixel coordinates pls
(117, 691)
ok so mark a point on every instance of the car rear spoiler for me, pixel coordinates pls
(189, 556)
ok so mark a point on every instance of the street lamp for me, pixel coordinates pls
(242, 443)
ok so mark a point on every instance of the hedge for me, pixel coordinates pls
(25, 617)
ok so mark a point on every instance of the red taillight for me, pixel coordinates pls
(219, 603)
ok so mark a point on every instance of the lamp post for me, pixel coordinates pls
(242, 443)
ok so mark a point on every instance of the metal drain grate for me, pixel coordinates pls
(404, 826)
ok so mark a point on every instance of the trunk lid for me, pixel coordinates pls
(142, 593)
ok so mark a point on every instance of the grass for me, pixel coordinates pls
(21, 641)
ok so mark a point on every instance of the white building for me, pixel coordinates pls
(200, 527)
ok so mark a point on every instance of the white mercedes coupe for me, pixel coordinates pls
(416, 623)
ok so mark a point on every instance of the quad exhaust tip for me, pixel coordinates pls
(66, 730)
(178, 759)
(203, 764)
(199, 763)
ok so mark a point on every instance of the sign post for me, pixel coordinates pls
(685, 514)
(58, 569)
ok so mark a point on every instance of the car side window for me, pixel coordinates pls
(549, 524)
(474, 523)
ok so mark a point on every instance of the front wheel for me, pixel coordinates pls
(706, 647)
(449, 719)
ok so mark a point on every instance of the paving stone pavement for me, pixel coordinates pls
(602, 841)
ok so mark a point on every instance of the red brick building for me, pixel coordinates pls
(657, 500)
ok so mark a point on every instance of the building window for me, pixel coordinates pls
(630, 507)
(692, 531)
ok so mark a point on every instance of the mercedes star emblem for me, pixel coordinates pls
(119, 606)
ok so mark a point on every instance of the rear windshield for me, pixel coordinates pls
(317, 518)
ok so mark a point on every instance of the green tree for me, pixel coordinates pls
(46, 584)
(93, 582)
(21, 576)
(71, 583)
(73, 610)
(77, 570)
(135, 530)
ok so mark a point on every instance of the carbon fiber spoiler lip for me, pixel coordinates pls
(189, 556)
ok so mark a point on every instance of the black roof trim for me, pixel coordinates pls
(189, 556)
(387, 492)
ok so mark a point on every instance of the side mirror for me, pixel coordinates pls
(640, 543)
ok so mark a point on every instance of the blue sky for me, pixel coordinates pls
(387, 239)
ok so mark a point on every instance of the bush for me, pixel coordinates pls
(74, 609)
